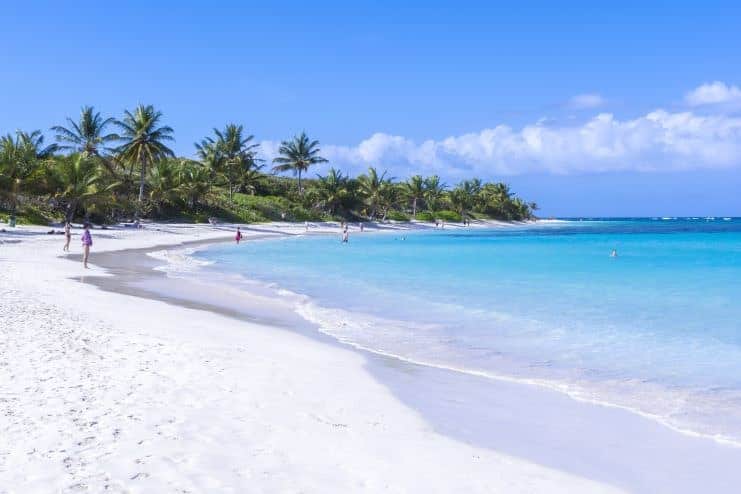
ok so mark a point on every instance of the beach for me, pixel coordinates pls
(109, 387)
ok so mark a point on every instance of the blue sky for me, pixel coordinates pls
(589, 110)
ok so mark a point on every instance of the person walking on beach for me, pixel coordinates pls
(67, 236)
(238, 236)
(87, 242)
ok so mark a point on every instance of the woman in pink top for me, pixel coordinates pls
(87, 242)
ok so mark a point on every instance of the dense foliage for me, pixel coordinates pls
(107, 170)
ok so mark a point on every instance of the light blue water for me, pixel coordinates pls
(656, 330)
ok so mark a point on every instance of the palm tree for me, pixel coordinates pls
(496, 199)
(234, 155)
(462, 197)
(390, 193)
(77, 181)
(332, 190)
(414, 190)
(86, 135)
(164, 183)
(373, 188)
(20, 157)
(249, 179)
(297, 155)
(195, 182)
(144, 140)
(433, 194)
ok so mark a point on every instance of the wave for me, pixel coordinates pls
(341, 324)
(179, 260)
(399, 339)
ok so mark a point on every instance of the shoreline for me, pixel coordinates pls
(565, 388)
(573, 444)
(114, 392)
(390, 369)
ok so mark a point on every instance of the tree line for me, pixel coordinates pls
(111, 169)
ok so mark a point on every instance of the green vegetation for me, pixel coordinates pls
(103, 176)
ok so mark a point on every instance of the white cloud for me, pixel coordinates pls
(657, 141)
(586, 101)
(714, 93)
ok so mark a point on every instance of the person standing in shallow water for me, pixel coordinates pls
(87, 242)
(238, 236)
(67, 236)
(345, 236)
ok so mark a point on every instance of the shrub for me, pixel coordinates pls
(425, 216)
(448, 216)
(397, 216)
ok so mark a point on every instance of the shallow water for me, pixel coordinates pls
(656, 330)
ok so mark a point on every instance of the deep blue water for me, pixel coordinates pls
(656, 329)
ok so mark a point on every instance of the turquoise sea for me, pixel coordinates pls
(656, 330)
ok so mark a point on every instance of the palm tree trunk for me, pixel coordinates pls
(414, 208)
(13, 201)
(141, 180)
(300, 190)
(71, 208)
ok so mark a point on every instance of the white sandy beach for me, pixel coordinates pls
(106, 392)
(109, 393)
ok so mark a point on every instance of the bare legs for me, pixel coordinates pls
(85, 255)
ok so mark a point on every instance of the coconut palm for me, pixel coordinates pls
(373, 187)
(234, 155)
(462, 197)
(87, 135)
(77, 181)
(164, 183)
(20, 157)
(195, 182)
(433, 194)
(390, 193)
(297, 155)
(331, 190)
(143, 140)
(496, 199)
(414, 191)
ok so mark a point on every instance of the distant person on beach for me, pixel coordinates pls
(67, 236)
(306, 223)
(613, 253)
(345, 236)
(87, 242)
(238, 236)
(361, 226)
